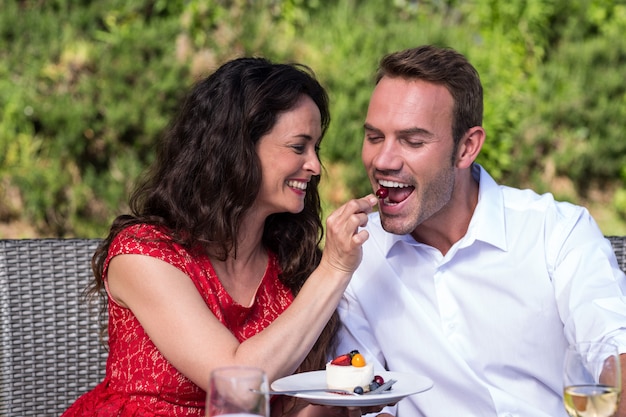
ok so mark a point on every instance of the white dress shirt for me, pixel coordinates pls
(488, 322)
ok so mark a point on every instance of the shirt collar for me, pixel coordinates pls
(488, 222)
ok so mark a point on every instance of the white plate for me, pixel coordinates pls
(408, 384)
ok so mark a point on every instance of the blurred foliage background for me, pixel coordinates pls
(86, 88)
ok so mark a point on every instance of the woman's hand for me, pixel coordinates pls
(342, 250)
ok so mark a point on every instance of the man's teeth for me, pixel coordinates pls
(297, 184)
(392, 184)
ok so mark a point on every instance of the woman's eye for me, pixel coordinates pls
(298, 148)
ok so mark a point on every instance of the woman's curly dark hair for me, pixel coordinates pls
(207, 174)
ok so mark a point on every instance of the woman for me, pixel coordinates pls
(223, 235)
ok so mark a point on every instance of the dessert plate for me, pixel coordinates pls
(408, 384)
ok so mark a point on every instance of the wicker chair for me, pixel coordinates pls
(50, 351)
(619, 247)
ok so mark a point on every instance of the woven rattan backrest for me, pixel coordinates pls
(619, 247)
(50, 351)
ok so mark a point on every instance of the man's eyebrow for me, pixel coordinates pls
(414, 131)
(403, 132)
(368, 126)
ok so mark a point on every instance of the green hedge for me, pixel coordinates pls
(87, 87)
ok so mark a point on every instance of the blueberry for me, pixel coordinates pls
(358, 390)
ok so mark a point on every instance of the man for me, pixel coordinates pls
(477, 286)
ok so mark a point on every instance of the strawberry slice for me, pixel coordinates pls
(342, 360)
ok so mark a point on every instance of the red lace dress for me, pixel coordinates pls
(139, 381)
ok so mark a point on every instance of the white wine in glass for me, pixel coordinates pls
(592, 380)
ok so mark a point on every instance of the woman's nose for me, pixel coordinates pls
(313, 164)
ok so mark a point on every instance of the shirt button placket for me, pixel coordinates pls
(448, 308)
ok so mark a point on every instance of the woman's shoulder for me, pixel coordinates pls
(155, 242)
(141, 239)
(145, 231)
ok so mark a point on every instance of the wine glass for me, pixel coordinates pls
(592, 380)
(238, 391)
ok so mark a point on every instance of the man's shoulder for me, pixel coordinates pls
(521, 199)
(527, 199)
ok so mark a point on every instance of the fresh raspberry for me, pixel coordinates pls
(342, 360)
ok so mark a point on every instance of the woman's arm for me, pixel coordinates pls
(174, 315)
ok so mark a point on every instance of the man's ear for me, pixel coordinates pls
(469, 147)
